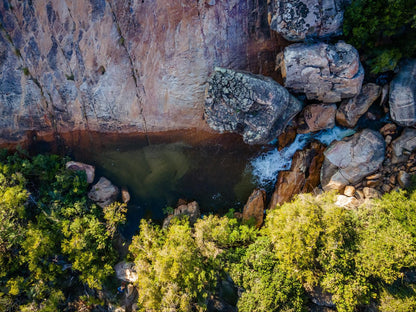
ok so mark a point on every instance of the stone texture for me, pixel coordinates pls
(347, 202)
(324, 72)
(255, 106)
(349, 191)
(316, 117)
(298, 20)
(112, 66)
(191, 210)
(404, 179)
(352, 109)
(103, 192)
(402, 98)
(126, 271)
(302, 177)
(352, 159)
(370, 193)
(78, 166)
(254, 208)
(125, 195)
(403, 146)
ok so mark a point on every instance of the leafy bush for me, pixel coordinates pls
(50, 232)
(385, 30)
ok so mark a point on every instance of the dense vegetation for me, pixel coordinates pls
(383, 30)
(53, 240)
(57, 253)
(309, 245)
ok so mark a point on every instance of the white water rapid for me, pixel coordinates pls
(266, 166)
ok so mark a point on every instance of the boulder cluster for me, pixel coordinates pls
(323, 86)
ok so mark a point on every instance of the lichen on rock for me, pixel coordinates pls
(252, 105)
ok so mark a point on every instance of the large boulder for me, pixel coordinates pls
(350, 160)
(316, 117)
(324, 72)
(302, 177)
(297, 20)
(254, 208)
(352, 109)
(78, 166)
(252, 105)
(403, 146)
(403, 95)
(103, 192)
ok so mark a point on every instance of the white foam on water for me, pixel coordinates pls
(266, 166)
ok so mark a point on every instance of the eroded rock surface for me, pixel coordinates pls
(297, 20)
(352, 109)
(403, 95)
(302, 177)
(316, 117)
(350, 160)
(254, 207)
(252, 105)
(120, 66)
(328, 73)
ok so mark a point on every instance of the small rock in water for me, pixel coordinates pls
(125, 195)
(78, 166)
(103, 192)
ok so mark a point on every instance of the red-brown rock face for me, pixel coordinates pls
(115, 65)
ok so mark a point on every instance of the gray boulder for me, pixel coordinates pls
(252, 105)
(403, 146)
(352, 109)
(297, 20)
(191, 210)
(350, 160)
(324, 72)
(103, 192)
(402, 99)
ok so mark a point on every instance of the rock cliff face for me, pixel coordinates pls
(113, 65)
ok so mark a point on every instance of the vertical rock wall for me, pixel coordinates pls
(115, 65)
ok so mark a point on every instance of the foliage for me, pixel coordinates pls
(384, 29)
(50, 233)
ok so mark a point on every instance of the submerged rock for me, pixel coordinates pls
(254, 207)
(297, 20)
(78, 166)
(302, 177)
(324, 72)
(402, 99)
(103, 192)
(352, 109)
(252, 105)
(352, 159)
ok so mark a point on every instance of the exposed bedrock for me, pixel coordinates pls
(348, 161)
(403, 95)
(324, 72)
(121, 66)
(252, 105)
(302, 177)
(352, 109)
(298, 20)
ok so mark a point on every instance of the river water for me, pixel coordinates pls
(218, 171)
